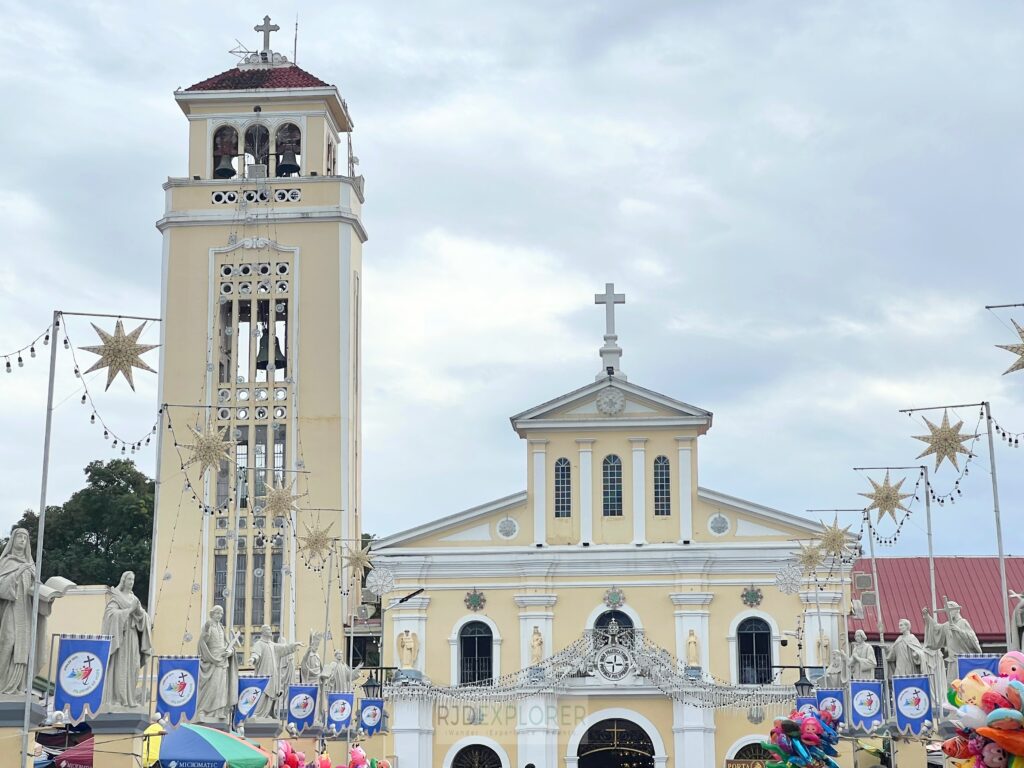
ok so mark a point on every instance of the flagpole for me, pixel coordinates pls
(30, 673)
(999, 525)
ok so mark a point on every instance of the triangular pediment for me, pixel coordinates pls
(611, 402)
(503, 522)
(718, 516)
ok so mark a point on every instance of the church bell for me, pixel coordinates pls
(224, 169)
(287, 164)
(263, 354)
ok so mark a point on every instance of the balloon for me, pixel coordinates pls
(373, 762)
(302, 757)
(1011, 741)
(1012, 665)
(325, 762)
(292, 760)
(383, 763)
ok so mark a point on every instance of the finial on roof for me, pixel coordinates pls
(611, 353)
(266, 28)
(264, 57)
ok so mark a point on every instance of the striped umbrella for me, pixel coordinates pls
(200, 747)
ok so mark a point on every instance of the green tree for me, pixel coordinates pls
(102, 530)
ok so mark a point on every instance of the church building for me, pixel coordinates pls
(613, 613)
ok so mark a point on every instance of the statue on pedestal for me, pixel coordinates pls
(1017, 623)
(408, 649)
(536, 647)
(17, 590)
(837, 673)
(339, 677)
(218, 672)
(955, 636)
(270, 660)
(692, 649)
(862, 657)
(311, 667)
(906, 653)
(130, 645)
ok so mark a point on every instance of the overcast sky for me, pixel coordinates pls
(807, 205)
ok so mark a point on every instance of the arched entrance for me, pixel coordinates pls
(616, 743)
(476, 756)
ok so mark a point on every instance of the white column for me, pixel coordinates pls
(685, 473)
(586, 473)
(535, 611)
(537, 730)
(412, 727)
(693, 729)
(411, 615)
(821, 612)
(639, 490)
(538, 451)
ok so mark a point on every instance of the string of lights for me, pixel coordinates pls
(1012, 439)
(29, 350)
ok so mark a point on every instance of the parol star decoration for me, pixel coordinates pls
(316, 545)
(209, 448)
(810, 556)
(886, 498)
(1017, 349)
(120, 353)
(279, 500)
(945, 441)
(835, 541)
(359, 560)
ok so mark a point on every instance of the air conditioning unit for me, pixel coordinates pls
(862, 581)
(868, 599)
(222, 542)
(256, 171)
(366, 611)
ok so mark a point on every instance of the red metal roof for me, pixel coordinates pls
(235, 79)
(973, 582)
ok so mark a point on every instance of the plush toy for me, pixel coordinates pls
(1012, 666)
(356, 757)
(383, 763)
(994, 756)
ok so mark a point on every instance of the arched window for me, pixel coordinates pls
(613, 627)
(662, 487)
(752, 752)
(611, 476)
(476, 648)
(257, 146)
(754, 641)
(289, 149)
(225, 152)
(563, 488)
(476, 756)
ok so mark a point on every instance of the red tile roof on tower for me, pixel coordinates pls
(972, 582)
(236, 79)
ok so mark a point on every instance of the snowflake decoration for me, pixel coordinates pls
(614, 598)
(475, 600)
(120, 353)
(752, 596)
(380, 581)
(209, 449)
(789, 578)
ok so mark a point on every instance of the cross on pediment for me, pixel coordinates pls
(266, 28)
(609, 298)
(610, 351)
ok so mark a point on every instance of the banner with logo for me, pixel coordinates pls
(371, 715)
(177, 687)
(913, 703)
(807, 704)
(301, 706)
(81, 674)
(250, 691)
(985, 663)
(339, 711)
(866, 704)
(833, 701)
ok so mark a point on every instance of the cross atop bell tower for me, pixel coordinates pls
(266, 28)
(611, 353)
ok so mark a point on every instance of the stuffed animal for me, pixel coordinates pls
(357, 757)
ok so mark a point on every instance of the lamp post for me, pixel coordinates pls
(803, 686)
(372, 687)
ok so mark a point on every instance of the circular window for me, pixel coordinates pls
(719, 524)
(508, 528)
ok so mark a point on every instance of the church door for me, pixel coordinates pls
(616, 744)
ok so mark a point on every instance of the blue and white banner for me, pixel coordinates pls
(371, 715)
(250, 691)
(339, 710)
(301, 706)
(806, 704)
(866, 704)
(913, 703)
(81, 674)
(177, 687)
(833, 701)
(985, 663)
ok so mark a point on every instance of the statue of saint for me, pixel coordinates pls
(311, 667)
(1017, 622)
(269, 660)
(837, 673)
(339, 677)
(536, 647)
(17, 588)
(824, 649)
(692, 650)
(862, 657)
(218, 672)
(906, 653)
(130, 645)
(408, 649)
(955, 636)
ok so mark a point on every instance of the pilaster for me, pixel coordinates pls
(586, 473)
(412, 729)
(535, 610)
(686, 485)
(638, 445)
(821, 619)
(537, 730)
(538, 458)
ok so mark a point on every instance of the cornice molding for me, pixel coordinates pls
(218, 218)
(524, 601)
(692, 598)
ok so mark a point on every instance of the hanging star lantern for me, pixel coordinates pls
(316, 545)
(835, 541)
(120, 353)
(886, 498)
(810, 556)
(359, 560)
(1017, 349)
(209, 449)
(279, 500)
(945, 441)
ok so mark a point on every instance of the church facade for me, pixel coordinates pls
(614, 555)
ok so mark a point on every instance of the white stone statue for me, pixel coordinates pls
(17, 588)
(955, 636)
(536, 647)
(862, 657)
(269, 659)
(130, 645)
(837, 673)
(218, 672)
(824, 648)
(906, 653)
(1017, 622)
(692, 649)
(408, 649)
(311, 667)
(339, 677)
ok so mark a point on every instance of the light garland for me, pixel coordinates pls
(29, 349)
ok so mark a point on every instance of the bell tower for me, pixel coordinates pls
(261, 300)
